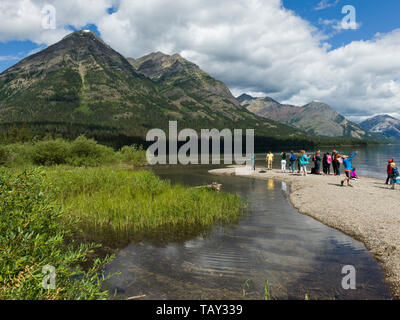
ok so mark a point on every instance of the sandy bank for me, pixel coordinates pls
(368, 212)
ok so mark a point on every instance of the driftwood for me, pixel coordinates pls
(136, 297)
(213, 186)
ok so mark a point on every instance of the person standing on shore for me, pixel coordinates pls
(269, 159)
(303, 161)
(317, 162)
(348, 168)
(326, 163)
(329, 161)
(334, 162)
(253, 161)
(394, 174)
(339, 161)
(283, 161)
(389, 170)
(299, 154)
(292, 161)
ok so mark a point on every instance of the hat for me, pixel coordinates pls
(392, 164)
(333, 151)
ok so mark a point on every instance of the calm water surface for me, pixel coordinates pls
(295, 253)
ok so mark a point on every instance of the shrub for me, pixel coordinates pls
(133, 154)
(16, 154)
(33, 230)
(50, 152)
(87, 152)
(4, 155)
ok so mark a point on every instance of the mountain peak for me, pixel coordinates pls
(383, 124)
(158, 64)
(244, 97)
(84, 35)
(383, 116)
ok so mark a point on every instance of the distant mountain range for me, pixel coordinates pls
(383, 124)
(315, 118)
(80, 83)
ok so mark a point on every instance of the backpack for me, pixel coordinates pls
(328, 159)
(340, 160)
(293, 157)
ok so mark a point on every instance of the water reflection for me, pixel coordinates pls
(297, 254)
(270, 184)
(284, 187)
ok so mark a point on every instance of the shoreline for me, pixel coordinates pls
(369, 212)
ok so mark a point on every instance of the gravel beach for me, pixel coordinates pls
(368, 212)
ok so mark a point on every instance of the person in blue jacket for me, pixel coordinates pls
(303, 162)
(253, 162)
(292, 161)
(348, 168)
(394, 174)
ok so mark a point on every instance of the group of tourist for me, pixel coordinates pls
(334, 159)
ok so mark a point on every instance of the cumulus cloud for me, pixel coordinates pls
(254, 46)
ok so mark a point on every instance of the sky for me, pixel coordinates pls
(344, 53)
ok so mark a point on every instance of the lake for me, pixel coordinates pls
(296, 254)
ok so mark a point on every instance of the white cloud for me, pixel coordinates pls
(22, 19)
(326, 4)
(252, 45)
(9, 58)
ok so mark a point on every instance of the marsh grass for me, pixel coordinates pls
(140, 202)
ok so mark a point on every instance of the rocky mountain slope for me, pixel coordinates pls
(189, 87)
(81, 81)
(383, 124)
(315, 118)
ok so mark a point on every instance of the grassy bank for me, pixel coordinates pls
(43, 209)
(139, 200)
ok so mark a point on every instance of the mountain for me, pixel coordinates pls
(383, 124)
(81, 85)
(315, 118)
(79, 80)
(189, 87)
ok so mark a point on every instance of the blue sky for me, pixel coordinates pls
(374, 15)
(294, 51)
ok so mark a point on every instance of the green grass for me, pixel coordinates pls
(33, 234)
(139, 200)
(42, 210)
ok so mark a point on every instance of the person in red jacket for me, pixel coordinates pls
(389, 170)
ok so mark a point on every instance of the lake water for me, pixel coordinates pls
(295, 253)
